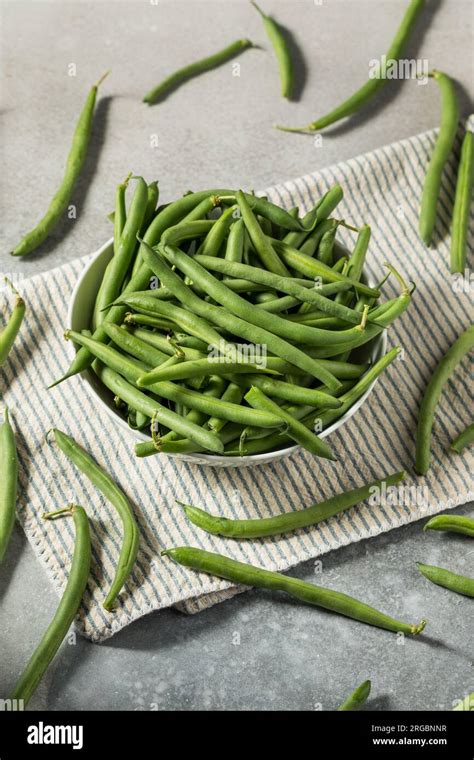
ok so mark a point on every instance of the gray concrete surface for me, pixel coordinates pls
(255, 651)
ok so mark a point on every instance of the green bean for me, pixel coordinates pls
(132, 370)
(200, 368)
(462, 203)
(66, 611)
(261, 243)
(239, 307)
(123, 251)
(358, 697)
(321, 211)
(277, 305)
(232, 393)
(235, 325)
(235, 242)
(270, 212)
(288, 521)
(465, 704)
(168, 346)
(74, 163)
(184, 445)
(153, 194)
(146, 352)
(187, 231)
(315, 296)
(296, 429)
(466, 438)
(326, 245)
(214, 239)
(104, 483)
(194, 69)
(368, 90)
(296, 394)
(460, 584)
(432, 394)
(441, 153)
(282, 51)
(311, 267)
(356, 261)
(8, 482)
(239, 572)
(147, 319)
(451, 523)
(11, 329)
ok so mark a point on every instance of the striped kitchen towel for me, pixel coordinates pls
(382, 189)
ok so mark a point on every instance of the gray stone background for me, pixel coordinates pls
(256, 651)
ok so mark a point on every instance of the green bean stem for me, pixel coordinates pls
(74, 163)
(107, 486)
(10, 331)
(66, 611)
(194, 69)
(288, 521)
(358, 697)
(282, 51)
(440, 155)
(239, 572)
(460, 584)
(451, 523)
(464, 439)
(8, 482)
(432, 394)
(368, 90)
(462, 204)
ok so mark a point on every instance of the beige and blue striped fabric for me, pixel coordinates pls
(383, 189)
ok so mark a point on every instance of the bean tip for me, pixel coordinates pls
(416, 629)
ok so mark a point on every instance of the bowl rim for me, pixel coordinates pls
(202, 457)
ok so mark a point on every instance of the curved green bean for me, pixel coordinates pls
(462, 204)
(466, 438)
(74, 164)
(282, 51)
(452, 524)
(104, 483)
(288, 521)
(260, 241)
(66, 611)
(358, 697)
(335, 601)
(432, 394)
(10, 331)
(365, 93)
(441, 153)
(8, 482)
(460, 584)
(194, 69)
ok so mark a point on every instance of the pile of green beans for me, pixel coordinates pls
(335, 601)
(237, 335)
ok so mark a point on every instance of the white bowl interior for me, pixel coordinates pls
(79, 317)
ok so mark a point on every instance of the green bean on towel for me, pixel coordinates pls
(464, 439)
(358, 698)
(462, 204)
(288, 521)
(335, 601)
(8, 482)
(460, 584)
(107, 486)
(74, 163)
(11, 329)
(66, 611)
(452, 524)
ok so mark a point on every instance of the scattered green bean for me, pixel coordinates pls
(460, 584)
(282, 51)
(462, 204)
(464, 439)
(10, 331)
(358, 697)
(452, 524)
(8, 482)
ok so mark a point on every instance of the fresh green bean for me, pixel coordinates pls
(466, 438)
(200, 367)
(184, 445)
(358, 697)
(66, 611)
(8, 482)
(326, 245)
(288, 521)
(282, 51)
(465, 704)
(232, 393)
(296, 394)
(460, 584)
(194, 69)
(452, 523)
(355, 264)
(235, 242)
(148, 320)
(104, 483)
(168, 346)
(368, 90)
(239, 572)
(296, 430)
(315, 296)
(153, 194)
(214, 239)
(235, 325)
(432, 394)
(441, 153)
(462, 204)
(146, 352)
(74, 163)
(11, 329)
(261, 243)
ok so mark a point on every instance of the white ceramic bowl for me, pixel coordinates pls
(79, 317)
